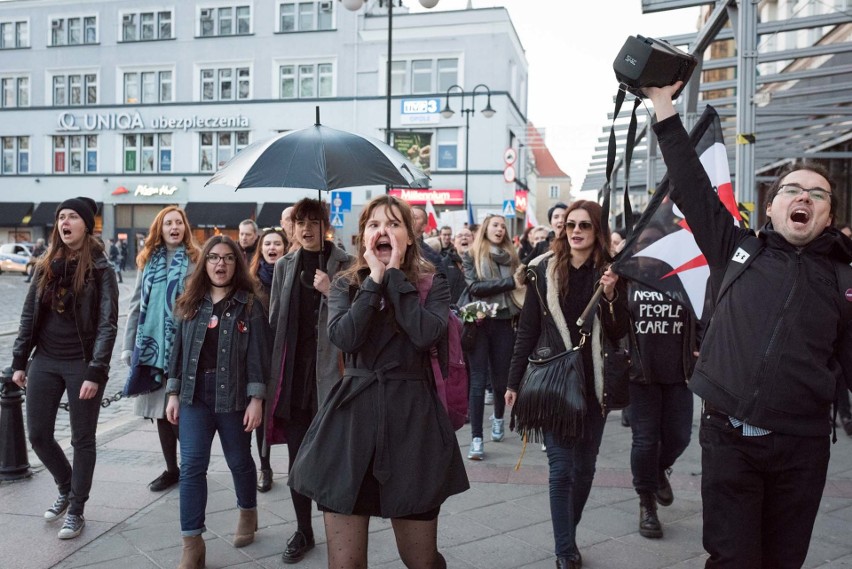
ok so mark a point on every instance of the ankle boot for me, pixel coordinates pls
(194, 553)
(649, 524)
(246, 526)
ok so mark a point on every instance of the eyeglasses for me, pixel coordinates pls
(572, 225)
(214, 259)
(795, 190)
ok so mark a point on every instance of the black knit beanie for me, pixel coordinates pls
(86, 208)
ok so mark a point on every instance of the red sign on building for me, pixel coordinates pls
(437, 197)
(521, 200)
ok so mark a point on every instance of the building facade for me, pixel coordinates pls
(136, 104)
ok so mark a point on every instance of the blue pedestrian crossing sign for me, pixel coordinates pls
(508, 208)
(341, 202)
(337, 220)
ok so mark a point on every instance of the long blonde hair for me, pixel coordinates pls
(155, 237)
(481, 248)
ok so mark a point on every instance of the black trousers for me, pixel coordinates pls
(760, 494)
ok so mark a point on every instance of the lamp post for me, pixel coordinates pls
(487, 112)
(354, 5)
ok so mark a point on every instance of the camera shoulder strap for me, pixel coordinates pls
(628, 158)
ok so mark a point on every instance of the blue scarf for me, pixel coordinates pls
(161, 285)
(265, 271)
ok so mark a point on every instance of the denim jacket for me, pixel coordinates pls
(242, 369)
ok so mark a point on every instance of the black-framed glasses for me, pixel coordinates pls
(583, 225)
(795, 190)
(214, 259)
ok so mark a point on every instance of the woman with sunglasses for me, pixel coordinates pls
(69, 318)
(490, 269)
(382, 443)
(561, 284)
(169, 255)
(272, 245)
(217, 381)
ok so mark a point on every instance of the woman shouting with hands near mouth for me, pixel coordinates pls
(217, 381)
(382, 443)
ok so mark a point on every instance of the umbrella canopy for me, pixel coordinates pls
(320, 158)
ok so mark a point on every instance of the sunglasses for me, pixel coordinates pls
(584, 225)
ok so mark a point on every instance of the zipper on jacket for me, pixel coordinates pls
(541, 301)
(772, 338)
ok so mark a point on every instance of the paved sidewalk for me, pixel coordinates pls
(502, 522)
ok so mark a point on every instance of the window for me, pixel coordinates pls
(75, 89)
(219, 147)
(419, 76)
(146, 26)
(14, 34)
(148, 152)
(225, 84)
(553, 191)
(148, 87)
(224, 21)
(15, 92)
(448, 148)
(76, 154)
(16, 155)
(74, 31)
(305, 16)
(306, 80)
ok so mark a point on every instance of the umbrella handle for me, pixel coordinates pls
(306, 279)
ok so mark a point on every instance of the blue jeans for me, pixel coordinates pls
(491, 351)
(198, 425)
(47, 380)
(661, 419)
(765, 493)
(572, 470)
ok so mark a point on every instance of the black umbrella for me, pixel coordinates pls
(320, 158)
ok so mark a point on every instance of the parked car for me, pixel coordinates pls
(17, 258)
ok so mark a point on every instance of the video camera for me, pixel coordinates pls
(646, 62)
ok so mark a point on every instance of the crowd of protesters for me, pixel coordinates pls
(285, 334)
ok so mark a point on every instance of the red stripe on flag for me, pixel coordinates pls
(698, 261)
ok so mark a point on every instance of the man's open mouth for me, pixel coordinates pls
(800, 216)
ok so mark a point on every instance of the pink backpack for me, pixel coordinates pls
(452, 389)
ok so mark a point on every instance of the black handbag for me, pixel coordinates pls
(552, 394)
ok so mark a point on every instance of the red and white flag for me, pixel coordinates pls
(431, 216)
(662, 252)
(531, 221)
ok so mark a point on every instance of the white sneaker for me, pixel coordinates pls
(58, 508)
(476, 451)
(72, 527)
(497, 430)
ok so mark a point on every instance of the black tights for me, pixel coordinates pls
(416, 541)
(168, 443)
(297, 427)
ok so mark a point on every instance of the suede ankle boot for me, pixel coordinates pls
(649, 524)
(194, 553)
(246, 526)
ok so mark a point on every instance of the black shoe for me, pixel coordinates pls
(664, 493)
(569, 562)
(164, 481)
(264, 481)
(297, 546)
(649, 523)
(847, 425)
(625, 420)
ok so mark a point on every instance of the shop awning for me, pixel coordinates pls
(218, 214)
(270, 214)
(12, 214)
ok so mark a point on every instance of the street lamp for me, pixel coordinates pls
(487, 112)
(354, 5)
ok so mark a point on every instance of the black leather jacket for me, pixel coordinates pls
(96, 314)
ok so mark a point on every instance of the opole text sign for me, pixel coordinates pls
(437, 197)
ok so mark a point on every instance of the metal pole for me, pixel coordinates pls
(466, 154)
(390, 68)
(746, 79)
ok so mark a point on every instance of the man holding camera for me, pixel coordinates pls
(777, 345)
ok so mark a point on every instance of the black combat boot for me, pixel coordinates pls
(649, 524)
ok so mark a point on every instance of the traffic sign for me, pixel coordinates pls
(508, 208)
(510, 155)
(509, 174)
(341, 202)
(337, 220)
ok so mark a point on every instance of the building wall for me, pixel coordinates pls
(483, 41)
